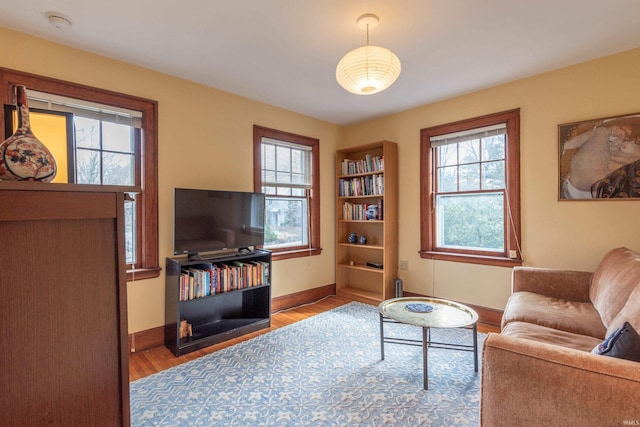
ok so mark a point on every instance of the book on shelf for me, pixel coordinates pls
(368, 164)
(205, 279)
(369, 185)
(358, 211)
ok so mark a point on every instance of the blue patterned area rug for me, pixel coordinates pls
(321, 371)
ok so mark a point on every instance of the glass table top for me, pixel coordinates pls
(428, 312)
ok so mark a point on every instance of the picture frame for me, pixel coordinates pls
(599, 159)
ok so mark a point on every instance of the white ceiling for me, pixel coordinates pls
(284, 52)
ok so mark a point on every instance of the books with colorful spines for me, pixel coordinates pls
(184, 286)
(190, 284)
(232, 277)
(224, 277)
(266, 274)
(197, 283)
(258, 273)
(206, 277)
(242, 276)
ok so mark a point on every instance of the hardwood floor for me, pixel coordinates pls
(145, 363)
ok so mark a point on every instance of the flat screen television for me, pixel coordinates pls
(214, 220)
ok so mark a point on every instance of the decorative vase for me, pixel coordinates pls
(353, 238)
(22, 156)
(363, 240)
(372, 212)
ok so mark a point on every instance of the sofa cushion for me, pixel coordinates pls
(613, 281)
(624, 343)
(570, 316)
(548, 335)
(629, 313)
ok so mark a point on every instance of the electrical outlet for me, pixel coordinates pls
(404, 265)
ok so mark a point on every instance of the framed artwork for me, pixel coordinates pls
(600, 159)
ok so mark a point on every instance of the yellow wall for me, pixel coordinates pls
(568, 234)
(205, 141)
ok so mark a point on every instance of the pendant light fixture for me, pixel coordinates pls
(368, 69)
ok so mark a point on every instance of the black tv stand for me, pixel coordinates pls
(225, 313)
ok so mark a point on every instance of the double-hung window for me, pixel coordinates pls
(286, 170)
(111, 139)
(470, 190)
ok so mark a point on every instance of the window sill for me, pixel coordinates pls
(294, 253)
(471, 259)
(143, 273)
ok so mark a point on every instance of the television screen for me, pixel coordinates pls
(212, 220)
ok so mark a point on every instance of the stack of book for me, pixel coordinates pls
(358, 211)
(368, 185)
(368, 164)
(202, 280)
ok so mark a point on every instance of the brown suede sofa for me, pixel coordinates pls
(540, 370)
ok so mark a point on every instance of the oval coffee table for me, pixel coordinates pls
(428, 313)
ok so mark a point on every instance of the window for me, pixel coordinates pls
(113, 143)
(286, 170)
(470, 210)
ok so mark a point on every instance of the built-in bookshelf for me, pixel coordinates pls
(367, 205)
(216, 298)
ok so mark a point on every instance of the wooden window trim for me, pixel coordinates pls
(147, 265)
(428, 247)
(260, 132)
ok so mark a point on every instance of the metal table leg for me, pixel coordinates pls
(425, 363)
(381, 338)
(475, 346)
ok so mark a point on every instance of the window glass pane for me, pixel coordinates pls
(88, 167)
(298, 192)
(469, 177)
(283, 177)
(448, 179)
(297, 178)
(493, 148)
(283, 158)
(286, 222)
(493, 175)
(470, 221)
(469, 151)
(87, 132)
(448, 155)
(283, 191)
(269, 190)
(130, 231)
(297, 163)
(117, 137)
(117, 169)
(268, 176)
(268, 157)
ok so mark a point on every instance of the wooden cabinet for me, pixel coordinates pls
(235, 305)
(64, 358)
(366, 176)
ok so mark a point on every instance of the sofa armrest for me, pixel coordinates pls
(563, 284)
(526, 382)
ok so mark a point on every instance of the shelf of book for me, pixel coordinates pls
(217, 298)
(366, 205)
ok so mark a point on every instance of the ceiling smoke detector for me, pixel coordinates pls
(59, 20)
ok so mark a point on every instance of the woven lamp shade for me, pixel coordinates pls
(368, 70)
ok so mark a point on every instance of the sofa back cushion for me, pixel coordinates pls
(629, 313)
(613, 281)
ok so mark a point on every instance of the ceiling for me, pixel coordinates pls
(284, 52)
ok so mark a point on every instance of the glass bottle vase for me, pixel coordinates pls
(22, 156)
